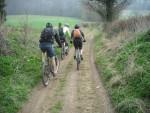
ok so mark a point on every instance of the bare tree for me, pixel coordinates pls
(25, 29)
(107, 9)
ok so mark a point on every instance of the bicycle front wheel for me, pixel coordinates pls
(45, 74)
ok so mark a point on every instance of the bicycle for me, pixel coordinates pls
(64, 50)
(48, 68)
(78, 56)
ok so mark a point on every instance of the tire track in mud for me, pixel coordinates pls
(85, 92)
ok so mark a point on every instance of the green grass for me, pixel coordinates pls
(20, 71)
(57, 107)
(39, 22)
(132, 94)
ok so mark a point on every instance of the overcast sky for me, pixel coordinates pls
(140, 5)
(44, 7)
(59, 7)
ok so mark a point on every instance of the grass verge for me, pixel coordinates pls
(19, 72)
(21, 68)
(125, 73)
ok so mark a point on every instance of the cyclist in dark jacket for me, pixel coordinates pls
(47, 38)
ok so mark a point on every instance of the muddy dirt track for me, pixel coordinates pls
(72, 91)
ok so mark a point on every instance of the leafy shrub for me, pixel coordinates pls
(131, 106)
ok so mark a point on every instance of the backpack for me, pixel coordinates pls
(76, 33)
(61, 32)
(47, 35)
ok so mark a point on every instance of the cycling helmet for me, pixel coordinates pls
(77, 26)
(49, 25)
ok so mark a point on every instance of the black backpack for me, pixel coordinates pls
(61, 32)
(47, 35)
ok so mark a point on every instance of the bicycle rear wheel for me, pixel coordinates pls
(45, 73)
(78, 59)
(62, 52)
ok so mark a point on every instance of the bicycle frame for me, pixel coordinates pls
(78, 58)
(48, 68)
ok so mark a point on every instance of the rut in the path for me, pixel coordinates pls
(85, 92)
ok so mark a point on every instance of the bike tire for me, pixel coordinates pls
(78, 63)
(78, 59)
(45, 74)
(62, 53)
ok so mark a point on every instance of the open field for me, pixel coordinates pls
(38, 22)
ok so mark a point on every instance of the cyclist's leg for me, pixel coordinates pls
(75, 42)
(44, 55)
(51, 54)
(44, 52)
(80, 48)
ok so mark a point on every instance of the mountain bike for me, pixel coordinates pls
(48, 68)
(64, 50)
(78, 56)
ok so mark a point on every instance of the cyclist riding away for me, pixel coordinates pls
(63, 34)
(48, 35)
(78, 38)
(67, 31)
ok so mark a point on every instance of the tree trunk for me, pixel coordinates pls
(109, 10)
(2, 11)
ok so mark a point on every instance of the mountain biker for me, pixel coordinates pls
(78, 37)
(67, 30)
(63, 34)
(48, 35)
